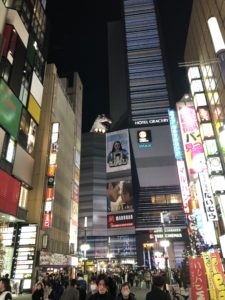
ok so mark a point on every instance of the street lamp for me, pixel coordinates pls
(85, 246)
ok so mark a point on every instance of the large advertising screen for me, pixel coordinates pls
(10, 110)
(117, 151)
(119, 196)
(194, 151)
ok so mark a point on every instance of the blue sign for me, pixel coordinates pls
(175, 134)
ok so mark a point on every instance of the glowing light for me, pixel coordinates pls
(216, 34)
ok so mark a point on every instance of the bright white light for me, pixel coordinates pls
(109, 255)
(186, 96)
(164, 243)
(84, 247)
(216, 34)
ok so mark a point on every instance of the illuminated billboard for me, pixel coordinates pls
(120, 220)
(119, 196)
(192, 142)
(10, 110)
(175, 134)
(117, 151)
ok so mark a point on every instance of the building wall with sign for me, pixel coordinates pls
(54, 173)
(93, 203)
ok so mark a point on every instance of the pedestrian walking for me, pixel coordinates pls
(5, 289)
(70, 293)
(102, 293)
(125, 293)
(38, 293)
(158, 292)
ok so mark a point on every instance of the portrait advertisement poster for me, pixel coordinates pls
(119, 196)
(117, 151)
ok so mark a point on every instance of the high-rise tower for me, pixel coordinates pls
(153, 168)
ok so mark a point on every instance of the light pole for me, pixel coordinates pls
(85, 246)
(165, 244)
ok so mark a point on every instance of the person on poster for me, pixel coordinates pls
(126, 196)
(113, 195)
(118, 156)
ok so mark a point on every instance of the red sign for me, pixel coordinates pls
(9, 193)
(198, 279)
(47, 220)
(121, 220)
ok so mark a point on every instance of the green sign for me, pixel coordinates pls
(10, 110)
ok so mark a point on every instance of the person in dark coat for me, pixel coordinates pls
(157, 291)
(125, 293)
(70, 293)
(5, 289)
(39, 292)
(102, 293)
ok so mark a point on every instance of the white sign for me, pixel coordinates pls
(208, 196)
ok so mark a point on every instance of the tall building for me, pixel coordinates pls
(53, 203)
(38, 214)
(93, 195)
(204, 59)
(23, 47)
(153, 168)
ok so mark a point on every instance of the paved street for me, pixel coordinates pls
(139, 292)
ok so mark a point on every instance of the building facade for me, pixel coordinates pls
(153, 170)
(23, 48)
(204, 54)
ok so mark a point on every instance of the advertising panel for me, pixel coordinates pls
(144, 139)
(34, 109)
(9, 193)
(185, 192)
(208, 196)
(121, 220)
(191, 138)
(119, 196)
(198, 279)
(175, 134)
(117, 151)
(10, 110)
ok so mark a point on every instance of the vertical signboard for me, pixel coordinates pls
(175, 135)
(190, 133)
(208, 196)
(185, 192)
(117, 151)
(52, 166)
(198, 279)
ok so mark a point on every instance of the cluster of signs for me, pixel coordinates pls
(52, 166)
(207, 269)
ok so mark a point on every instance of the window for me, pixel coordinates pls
(23, 197)
(166, 199)
(5, 69)
(10, 153)
(25, 86)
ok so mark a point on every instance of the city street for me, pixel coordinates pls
(139, 293)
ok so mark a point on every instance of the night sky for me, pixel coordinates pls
(78, 42)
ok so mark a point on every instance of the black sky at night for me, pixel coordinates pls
(78, 42)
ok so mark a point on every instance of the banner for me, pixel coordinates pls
(209, 274)
(218, 275)
(117, 151)
(198, 279)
